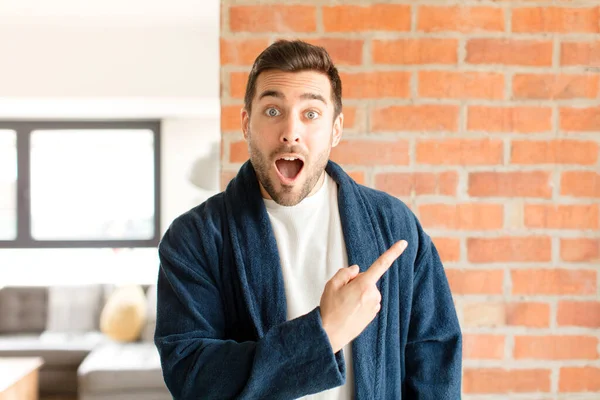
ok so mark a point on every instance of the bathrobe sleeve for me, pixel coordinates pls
(291, 360)
(434, 345)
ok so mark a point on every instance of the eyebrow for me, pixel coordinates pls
(280, 95)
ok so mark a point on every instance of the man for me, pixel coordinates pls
(296, 281)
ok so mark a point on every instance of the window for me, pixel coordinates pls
(79, 184)
(8, 185)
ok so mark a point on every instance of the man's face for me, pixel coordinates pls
(290, 133)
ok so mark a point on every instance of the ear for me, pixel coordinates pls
(245, 122)
(337, 130)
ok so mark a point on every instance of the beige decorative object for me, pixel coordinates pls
(124, 314)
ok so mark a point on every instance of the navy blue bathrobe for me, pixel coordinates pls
(221, 327)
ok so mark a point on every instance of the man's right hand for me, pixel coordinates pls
(351, 300)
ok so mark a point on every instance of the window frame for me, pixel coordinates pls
(23, 131)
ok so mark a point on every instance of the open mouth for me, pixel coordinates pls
(289, 168)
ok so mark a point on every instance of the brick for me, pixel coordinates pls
(461, 85)
(226, 177)
(483, 315)
(514, 214)
(579, 379)
(509, 119)
(551, 86)
(496, 314)
(376, 17)
(580, 53)
(554, 152)
(531, 315)
(419, 183)
(573, 216)
(579, 119)
(363, 152)
(496, 380)
(553, 282)
(532, 1)
(373, 85)
(460, 19)
(448, 248)
(462, 216)
(427, 117)
(238, 152)
(349, 117)
(341, 51)
(415, 51)
(556, 347)
(222, 145)
(580, 250)
(483, 347)
(237, 84)
(241, 51)
(556, 19)
(468, 281)
(580, 184)
(509, 249)
(231, 119)
(273, 18)
(510, 184)
(460, 152)
(532, 53)
(579, 313)
(358, 176)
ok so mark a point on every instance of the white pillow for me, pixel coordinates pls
(74, 308)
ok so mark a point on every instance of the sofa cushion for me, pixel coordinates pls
(121, 366)
(57, 350)
(74, 308)
(124, 314)
(23, 309)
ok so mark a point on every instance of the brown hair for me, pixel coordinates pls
(293, 56)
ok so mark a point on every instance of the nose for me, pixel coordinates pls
(290, 132)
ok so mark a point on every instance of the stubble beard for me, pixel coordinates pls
(285, 196)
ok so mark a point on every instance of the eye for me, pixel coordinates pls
(312, 114)
(272, 112)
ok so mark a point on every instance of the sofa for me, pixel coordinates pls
(62, 326)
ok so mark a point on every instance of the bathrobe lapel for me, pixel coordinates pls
(364, 244)
(258, 266)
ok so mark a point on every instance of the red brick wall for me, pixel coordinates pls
(485, 119)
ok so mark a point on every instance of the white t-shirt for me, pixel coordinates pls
(312, 249)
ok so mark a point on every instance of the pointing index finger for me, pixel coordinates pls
(383, 263)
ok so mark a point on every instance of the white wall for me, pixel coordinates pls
(95, 61)
(114, 48)
(190, 172)
(69, 59)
